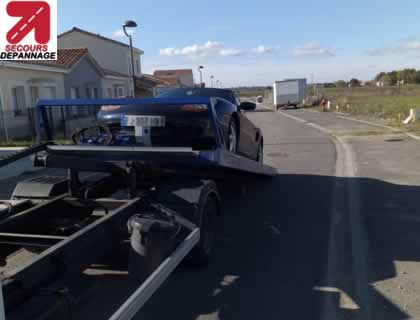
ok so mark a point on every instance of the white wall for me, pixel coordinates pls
(11, 77)
(112, 83)
(108, 55)
(187, 80)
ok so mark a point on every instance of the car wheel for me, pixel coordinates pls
(232, 137)
(260, 155)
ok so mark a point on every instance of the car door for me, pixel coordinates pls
(247, 140)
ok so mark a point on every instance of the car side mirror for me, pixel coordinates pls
(248, 106)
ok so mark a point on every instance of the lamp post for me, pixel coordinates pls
(200, 68)
(217, 83)
(212, 78)
(131, 24)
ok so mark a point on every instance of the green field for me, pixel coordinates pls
(389, 104)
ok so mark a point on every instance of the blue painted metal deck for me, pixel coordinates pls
(204, 163)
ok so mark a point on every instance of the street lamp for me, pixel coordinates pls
(200, 68)
(131, 24)
(212, 77)
(217, 83)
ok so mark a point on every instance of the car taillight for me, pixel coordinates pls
(194, 108)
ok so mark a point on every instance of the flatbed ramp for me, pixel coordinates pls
(99, 248)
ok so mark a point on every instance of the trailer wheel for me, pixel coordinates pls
(200, 255)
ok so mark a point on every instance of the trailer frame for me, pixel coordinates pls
(125, 169)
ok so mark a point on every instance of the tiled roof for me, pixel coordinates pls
(156, 80)
(173, 82)
(96, 35)
(108, 72)
(66, 58)
(171, 73)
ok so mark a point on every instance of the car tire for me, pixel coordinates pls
(260, 153)
(232, 138)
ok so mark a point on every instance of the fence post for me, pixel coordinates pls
(3, 117)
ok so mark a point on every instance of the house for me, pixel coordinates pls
(114, 59)
(75, 74)
(176, 78)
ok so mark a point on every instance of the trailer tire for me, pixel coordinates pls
(200, 255)
(199, 201)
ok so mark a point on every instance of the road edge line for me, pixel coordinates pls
(344, 168)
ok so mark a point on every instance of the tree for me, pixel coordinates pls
(393, 78)
(354, 83)
(417, 77)
(341, 84)
(379, 76)
(406, 76)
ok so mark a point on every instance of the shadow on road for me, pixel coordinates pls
(271, 260)
(274, 251)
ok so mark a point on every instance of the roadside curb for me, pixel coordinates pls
(344, 169)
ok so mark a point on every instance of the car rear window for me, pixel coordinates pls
(198, 92)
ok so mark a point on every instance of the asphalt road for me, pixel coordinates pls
(273, 251)
(377, 264)
(333, 236)
(274, 248)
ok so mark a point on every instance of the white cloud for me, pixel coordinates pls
(399, 49)
(231, 52)
(263, 49)
(313, 49)
(193, 50)
(119, 33)
(415, 45)
(379, 52)
(213, 45)
(212, 48)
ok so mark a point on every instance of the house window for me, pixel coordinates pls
(88, 93)
(95, 93)
(34, 96)
(120, 92)
(109, 92)
(74, 93)
(115, 92)
(138, 66)
(18, 95)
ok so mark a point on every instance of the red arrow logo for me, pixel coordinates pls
(35, 15)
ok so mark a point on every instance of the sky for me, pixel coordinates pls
(245, 43)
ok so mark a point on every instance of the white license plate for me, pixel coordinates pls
(143, 121)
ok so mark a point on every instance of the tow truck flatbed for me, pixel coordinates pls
(149, 209)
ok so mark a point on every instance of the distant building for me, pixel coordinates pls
(177, 78)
